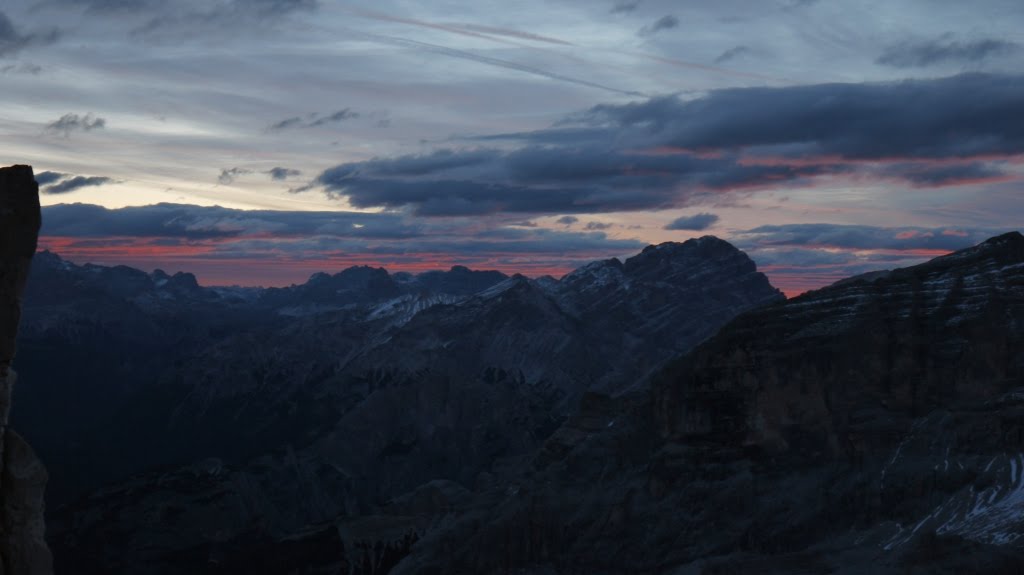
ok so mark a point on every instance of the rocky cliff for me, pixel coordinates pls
(23, 549)
(875, 426)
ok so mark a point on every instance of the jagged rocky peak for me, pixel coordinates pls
(693, 264)
(856, 429)
(48, 259)
(688, 260)
(23, 478)
(517, 284)
(349, 277)
(319, 277)
(459, 280)
(182, 281)
(595, 275)
(911, 340)
(998, 254)
(362, 276)
(990, 256)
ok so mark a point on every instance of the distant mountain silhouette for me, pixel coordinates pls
(368, 384)
(671, 413)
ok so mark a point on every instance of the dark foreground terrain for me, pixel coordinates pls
(668, 414)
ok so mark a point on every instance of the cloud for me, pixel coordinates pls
(539, 180)
(75, 183)
(69, 123)
(12, 41)
(486, 60)
(797, 4)
(339, 116)
(228, 175)
(197, 223)
(624, 6)
(935, 176)
(732, 54)
(800, 257)
(931, 118)
(185, 19)
(314, 120)
(258, 244)
(598, 226)
(283, 173)
(567, 220)
(514, 34)
(278, 7)
(670, 152)
(24, 68)
(860, 237)
(110, 5)
(695, 222)
(944, 50)
(664, 23)
(46, 178)
(292, 122)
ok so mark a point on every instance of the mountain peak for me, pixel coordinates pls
(595, 274)
(517, 283)
(1000, 250)
(672, 261)
(1011, 243)
(702, 243)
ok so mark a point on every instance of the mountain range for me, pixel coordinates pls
(670, 413)
(370, 385)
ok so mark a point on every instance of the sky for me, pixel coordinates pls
(255, 142)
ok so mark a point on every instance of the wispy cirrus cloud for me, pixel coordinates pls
(314, 120)
(666, 22)
(511, 33)
(945, 49)
(733, 53)
(624, 6)
(494, 33)
(13, 40)
(488, 61)
(23, 68)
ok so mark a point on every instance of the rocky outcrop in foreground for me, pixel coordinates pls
(23, 550)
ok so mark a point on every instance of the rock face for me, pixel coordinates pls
(875, 426)
(23, 478)
(660, 303)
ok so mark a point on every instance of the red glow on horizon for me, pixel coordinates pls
(769, 160)
(276, 268)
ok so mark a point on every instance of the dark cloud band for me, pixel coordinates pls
(670, 152)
